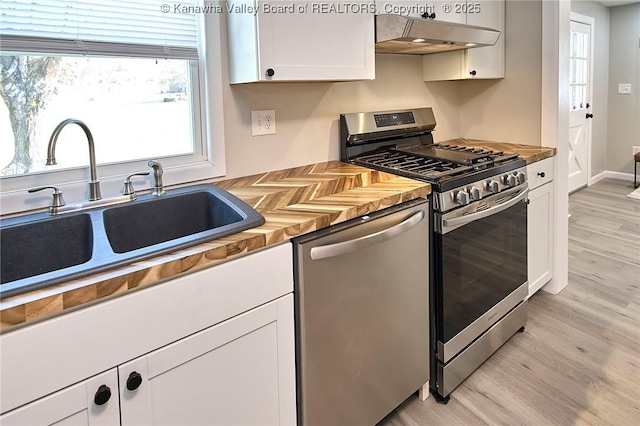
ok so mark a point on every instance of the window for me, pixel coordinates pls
(578, 57)
(135, 108)
(130, 71)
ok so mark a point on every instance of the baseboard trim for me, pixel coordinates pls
(613, 175)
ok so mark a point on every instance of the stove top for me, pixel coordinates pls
(446, 166)
(401, 142)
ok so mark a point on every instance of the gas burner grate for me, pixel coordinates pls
(495, 156)
(413, 165)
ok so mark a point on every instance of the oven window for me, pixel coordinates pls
(481, 263)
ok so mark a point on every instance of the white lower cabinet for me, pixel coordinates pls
(540, 229)
(91, 402)
(213, 347)
(238, 372)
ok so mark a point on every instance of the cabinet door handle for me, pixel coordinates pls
(331, 250)
(589, 115)
(102, 395)
(541, 174)
(270, 72)
(473, 72)
(134, 381)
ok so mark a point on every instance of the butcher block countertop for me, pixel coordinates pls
(293, 202)
(529, 152)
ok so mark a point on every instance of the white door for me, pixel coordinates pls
(580, 113)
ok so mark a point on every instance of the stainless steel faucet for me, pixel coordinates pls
(94, 184)
(158, 187)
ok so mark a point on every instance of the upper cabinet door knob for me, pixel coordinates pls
(270, 72)
(473, 72)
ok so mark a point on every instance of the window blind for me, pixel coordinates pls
(143, 28)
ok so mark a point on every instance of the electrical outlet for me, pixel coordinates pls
(635, 149)
(624, 89)
(263, 122)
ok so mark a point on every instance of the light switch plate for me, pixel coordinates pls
(624, 89)
(263, 122)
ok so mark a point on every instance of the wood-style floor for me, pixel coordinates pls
(578, 361)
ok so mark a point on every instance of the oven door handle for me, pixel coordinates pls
(463, 220)
(337, 249)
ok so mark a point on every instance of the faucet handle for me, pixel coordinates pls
(158, 186)
(58, 201)
(128, 186)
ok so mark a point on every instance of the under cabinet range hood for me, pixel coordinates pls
(418, 36)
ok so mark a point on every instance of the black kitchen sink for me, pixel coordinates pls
(39, 250)
(154, 221)
(39, 247)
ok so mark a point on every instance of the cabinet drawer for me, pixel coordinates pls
(540, 173)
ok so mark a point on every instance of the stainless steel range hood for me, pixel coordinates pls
(403, 34)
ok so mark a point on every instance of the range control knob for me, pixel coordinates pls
(522, 178)
(475, 194)
(492, 186)
(462, 197)
(512, 180)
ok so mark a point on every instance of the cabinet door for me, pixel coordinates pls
(410, 8)
(238, 372)
(486, 62)
(301, 41)
(316, 44)
(449, 11)
(540, 232)
(475, 63)
(91, 402)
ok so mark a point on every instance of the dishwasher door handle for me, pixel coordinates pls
(337, 249)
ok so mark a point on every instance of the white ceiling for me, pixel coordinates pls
(611, 3)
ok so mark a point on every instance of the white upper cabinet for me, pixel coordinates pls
(450, 11)
(436, 10)
(300, 41)
(480, 62)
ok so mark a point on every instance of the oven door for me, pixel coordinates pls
(480, 267)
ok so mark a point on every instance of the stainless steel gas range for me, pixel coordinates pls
(479, 236)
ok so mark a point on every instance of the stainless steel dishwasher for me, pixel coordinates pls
(362, 316)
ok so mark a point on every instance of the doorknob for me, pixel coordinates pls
(589, 115)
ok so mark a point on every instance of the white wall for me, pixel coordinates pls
(600, 100)
(624, 67)
(307, 113)
(509, 110)
(506, 110)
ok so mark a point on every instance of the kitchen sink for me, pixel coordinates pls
(201, 215)
(39, 250)
(43, 246)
